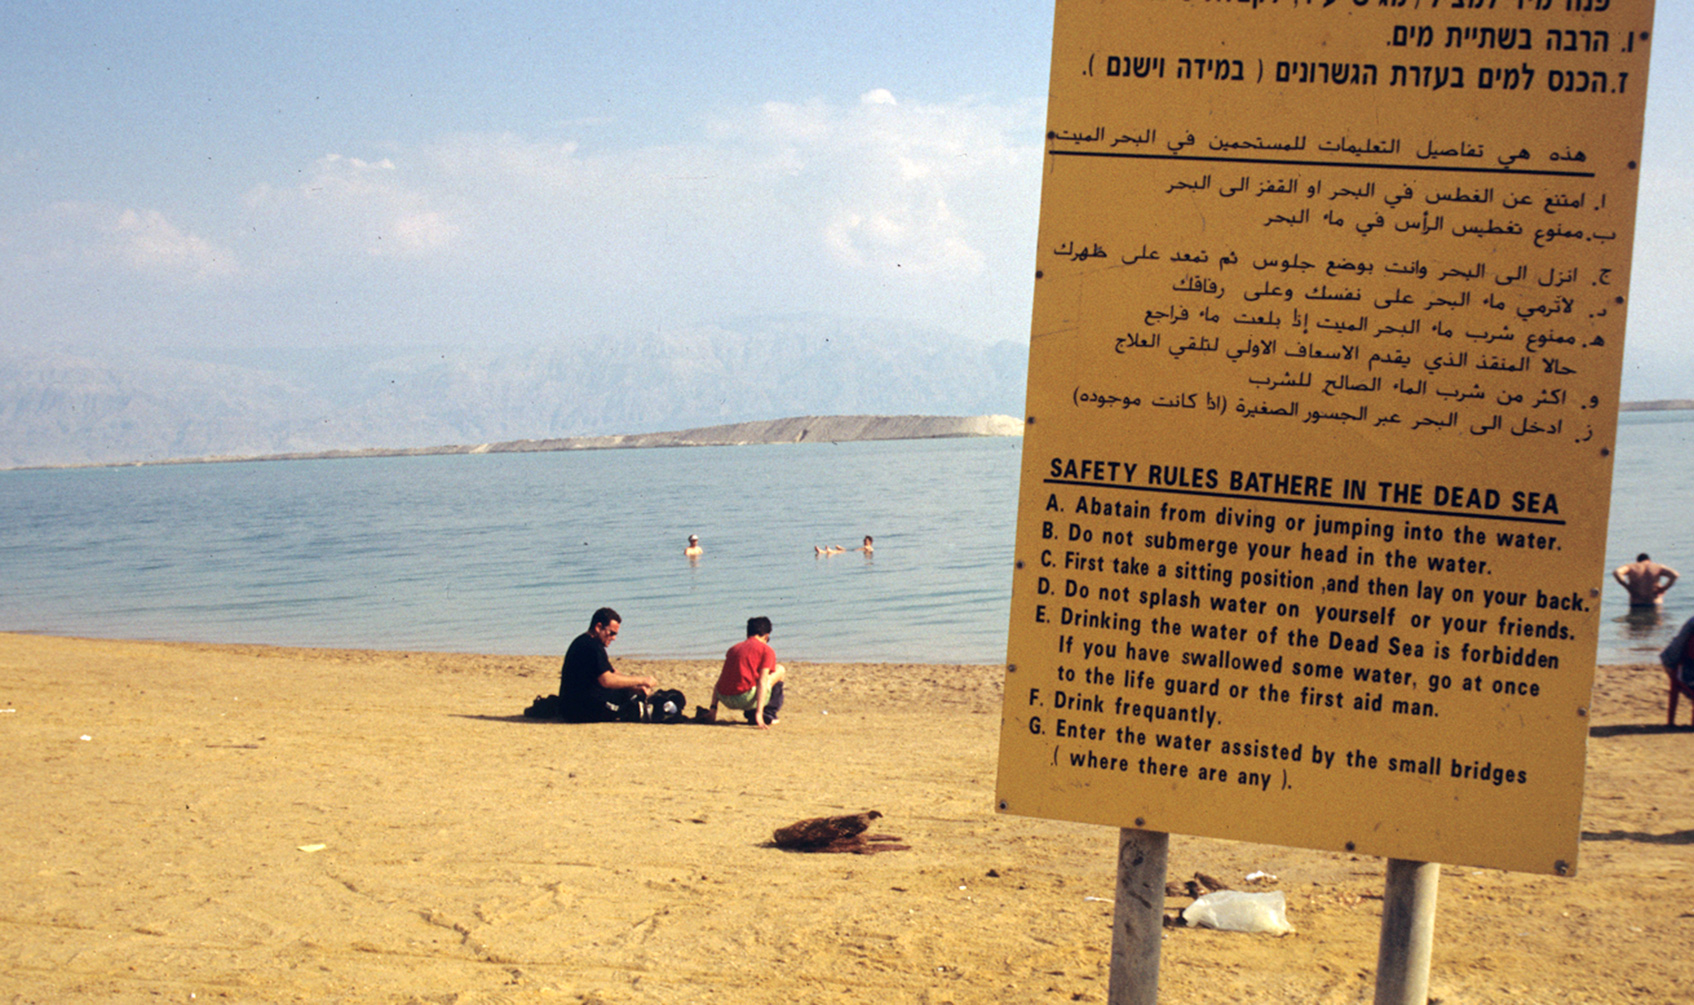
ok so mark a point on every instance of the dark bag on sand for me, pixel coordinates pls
(664, 706)
(546, 706)
(667, 706)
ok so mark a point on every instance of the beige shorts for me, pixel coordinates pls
(746, 701)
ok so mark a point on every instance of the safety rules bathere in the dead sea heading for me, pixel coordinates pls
(1324, 365)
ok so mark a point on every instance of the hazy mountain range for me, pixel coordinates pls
(64, 407)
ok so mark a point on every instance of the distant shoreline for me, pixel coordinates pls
(1662, 405)
(799, 429)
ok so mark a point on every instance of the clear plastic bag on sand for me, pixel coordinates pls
(1235, 911)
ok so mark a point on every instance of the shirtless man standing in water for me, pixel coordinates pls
(1641, 578)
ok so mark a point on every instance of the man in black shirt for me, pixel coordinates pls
(588, 686)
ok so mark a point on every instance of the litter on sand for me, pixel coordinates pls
(1234, 911)
(837, 834)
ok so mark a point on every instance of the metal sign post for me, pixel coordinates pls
(1408, 933)
(1138, 917)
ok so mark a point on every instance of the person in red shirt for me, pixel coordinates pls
(751, 681)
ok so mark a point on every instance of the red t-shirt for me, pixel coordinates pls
(741, 666)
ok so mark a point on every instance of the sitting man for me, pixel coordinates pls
(751, 681)
(589, 688)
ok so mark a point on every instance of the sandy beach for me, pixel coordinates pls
(244, 824)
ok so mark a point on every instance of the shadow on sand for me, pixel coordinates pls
(1637, 729)
(1674, 837)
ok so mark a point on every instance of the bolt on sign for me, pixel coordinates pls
(1323, 381)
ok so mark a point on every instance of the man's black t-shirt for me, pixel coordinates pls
(579, 682)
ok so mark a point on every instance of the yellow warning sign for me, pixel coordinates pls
(1323, 382)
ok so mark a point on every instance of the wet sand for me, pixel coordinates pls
(227, 823)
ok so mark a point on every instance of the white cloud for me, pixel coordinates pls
(421, 232)
(351, 206)
(143, 241)
(920, 188)
(876, 208)
(1661, 308)
(504, 156)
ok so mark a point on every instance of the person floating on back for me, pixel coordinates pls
(836, 549)
(751, 681)
(1642, 579)
(589, 688)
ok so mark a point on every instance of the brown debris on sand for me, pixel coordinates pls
(1202, 884)
(841, 834)
(1197, 887)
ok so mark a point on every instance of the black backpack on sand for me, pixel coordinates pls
(664, 706)
(546, 706)
(667, 706)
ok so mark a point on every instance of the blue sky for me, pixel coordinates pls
(206, 177)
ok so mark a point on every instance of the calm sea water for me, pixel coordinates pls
(510, 552)
(1653, 512)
